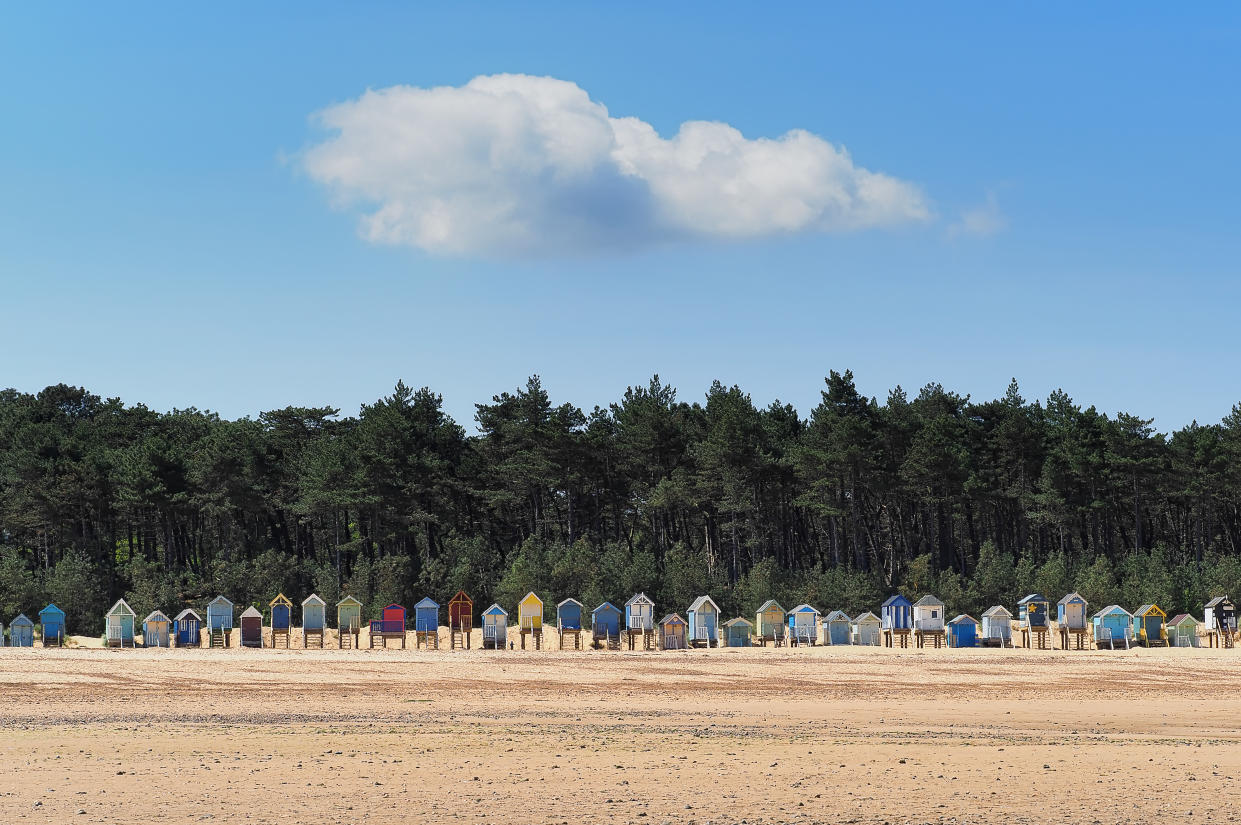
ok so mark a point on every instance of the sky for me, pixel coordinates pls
(240, 207)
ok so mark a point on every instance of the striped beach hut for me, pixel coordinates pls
(52, 620)
(1033, 612)
(118, 624)
(495, 627)
(963, 631)
(189, 626)
(21, 631)
(314, 619)
(837, 628)
(1220, 615)
(672, 634)
(251, 627)
(1148, 628)
(605, 625)
(157, 630)
(704, 622)
(738, 632)
(769, 622)
(897, 613)
(866, 629)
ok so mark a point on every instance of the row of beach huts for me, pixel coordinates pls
(900, 623)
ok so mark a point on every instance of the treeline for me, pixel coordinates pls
(977, 502)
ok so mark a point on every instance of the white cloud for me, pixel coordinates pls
(981, 221)
(514, 164)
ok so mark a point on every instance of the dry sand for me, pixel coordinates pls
(830, 735)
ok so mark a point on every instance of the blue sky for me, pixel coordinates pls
(163, 239)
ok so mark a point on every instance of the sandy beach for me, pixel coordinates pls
(853, 735)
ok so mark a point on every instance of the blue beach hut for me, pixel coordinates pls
(963, 631)
(1113, 627)
(1032, 612)
(738, 633)
(704, 621)
(21, 631)
(897, 613)
(427, 616)
(837, 628)
(569, 615)
(53, 620)
(189, 626)
(605, 621)
(220, 614)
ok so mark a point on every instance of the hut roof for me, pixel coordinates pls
(187, 613)
(997, 610)
(964, 618)
(495, 610)
(349, 601)
(805, 608)
(1072, 598)
(897, 599)
(1111, 610)
(1183, 618)
(21, 621)
(427, 602)
(460, 596)
(866, 618)
(928, 601)
(838, 616)
(605, 607)
(156, 616)
(671, 618)
(250, 612)
(121, 608)
(313, 599)
(568, 601)
(1150, 610)
(1219, 600)
(280, 599)
(769, 604)
(701, 602)
(738, 621)
(1035, 598)
(639, 598)
(51, 609)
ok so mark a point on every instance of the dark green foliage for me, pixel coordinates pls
(976, 502)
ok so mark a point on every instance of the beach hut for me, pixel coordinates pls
(251, 627)
(866, 629)
(348, 622)
(530, 620)
(605, 626)
(963, 631)
(997, 626)
(189, 626)
(219, 621)
(837, 628)
(314, 619)
(118, 624)
(672, 632)
(1220, 620)
(704, 622)
(897, 616)
(803, 625)
(389, 625)
(738, 632)
(640, 621)
(460, 620)
(1183, 630)
(1148, 626)
(569, 622)
(769, 623)
(1113, 627)
(495, 627)
(157, 630)
(21, 632)
(52, 619)
(427, 623)
(1034, 620)
(281, 618)
(929, 621)
(1072, 620)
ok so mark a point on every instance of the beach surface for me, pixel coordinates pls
(758, 735)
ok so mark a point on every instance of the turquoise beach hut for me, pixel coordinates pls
(704, 619)
(119, 624)
(738, 632)
(52, 618)
(1113, 627)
